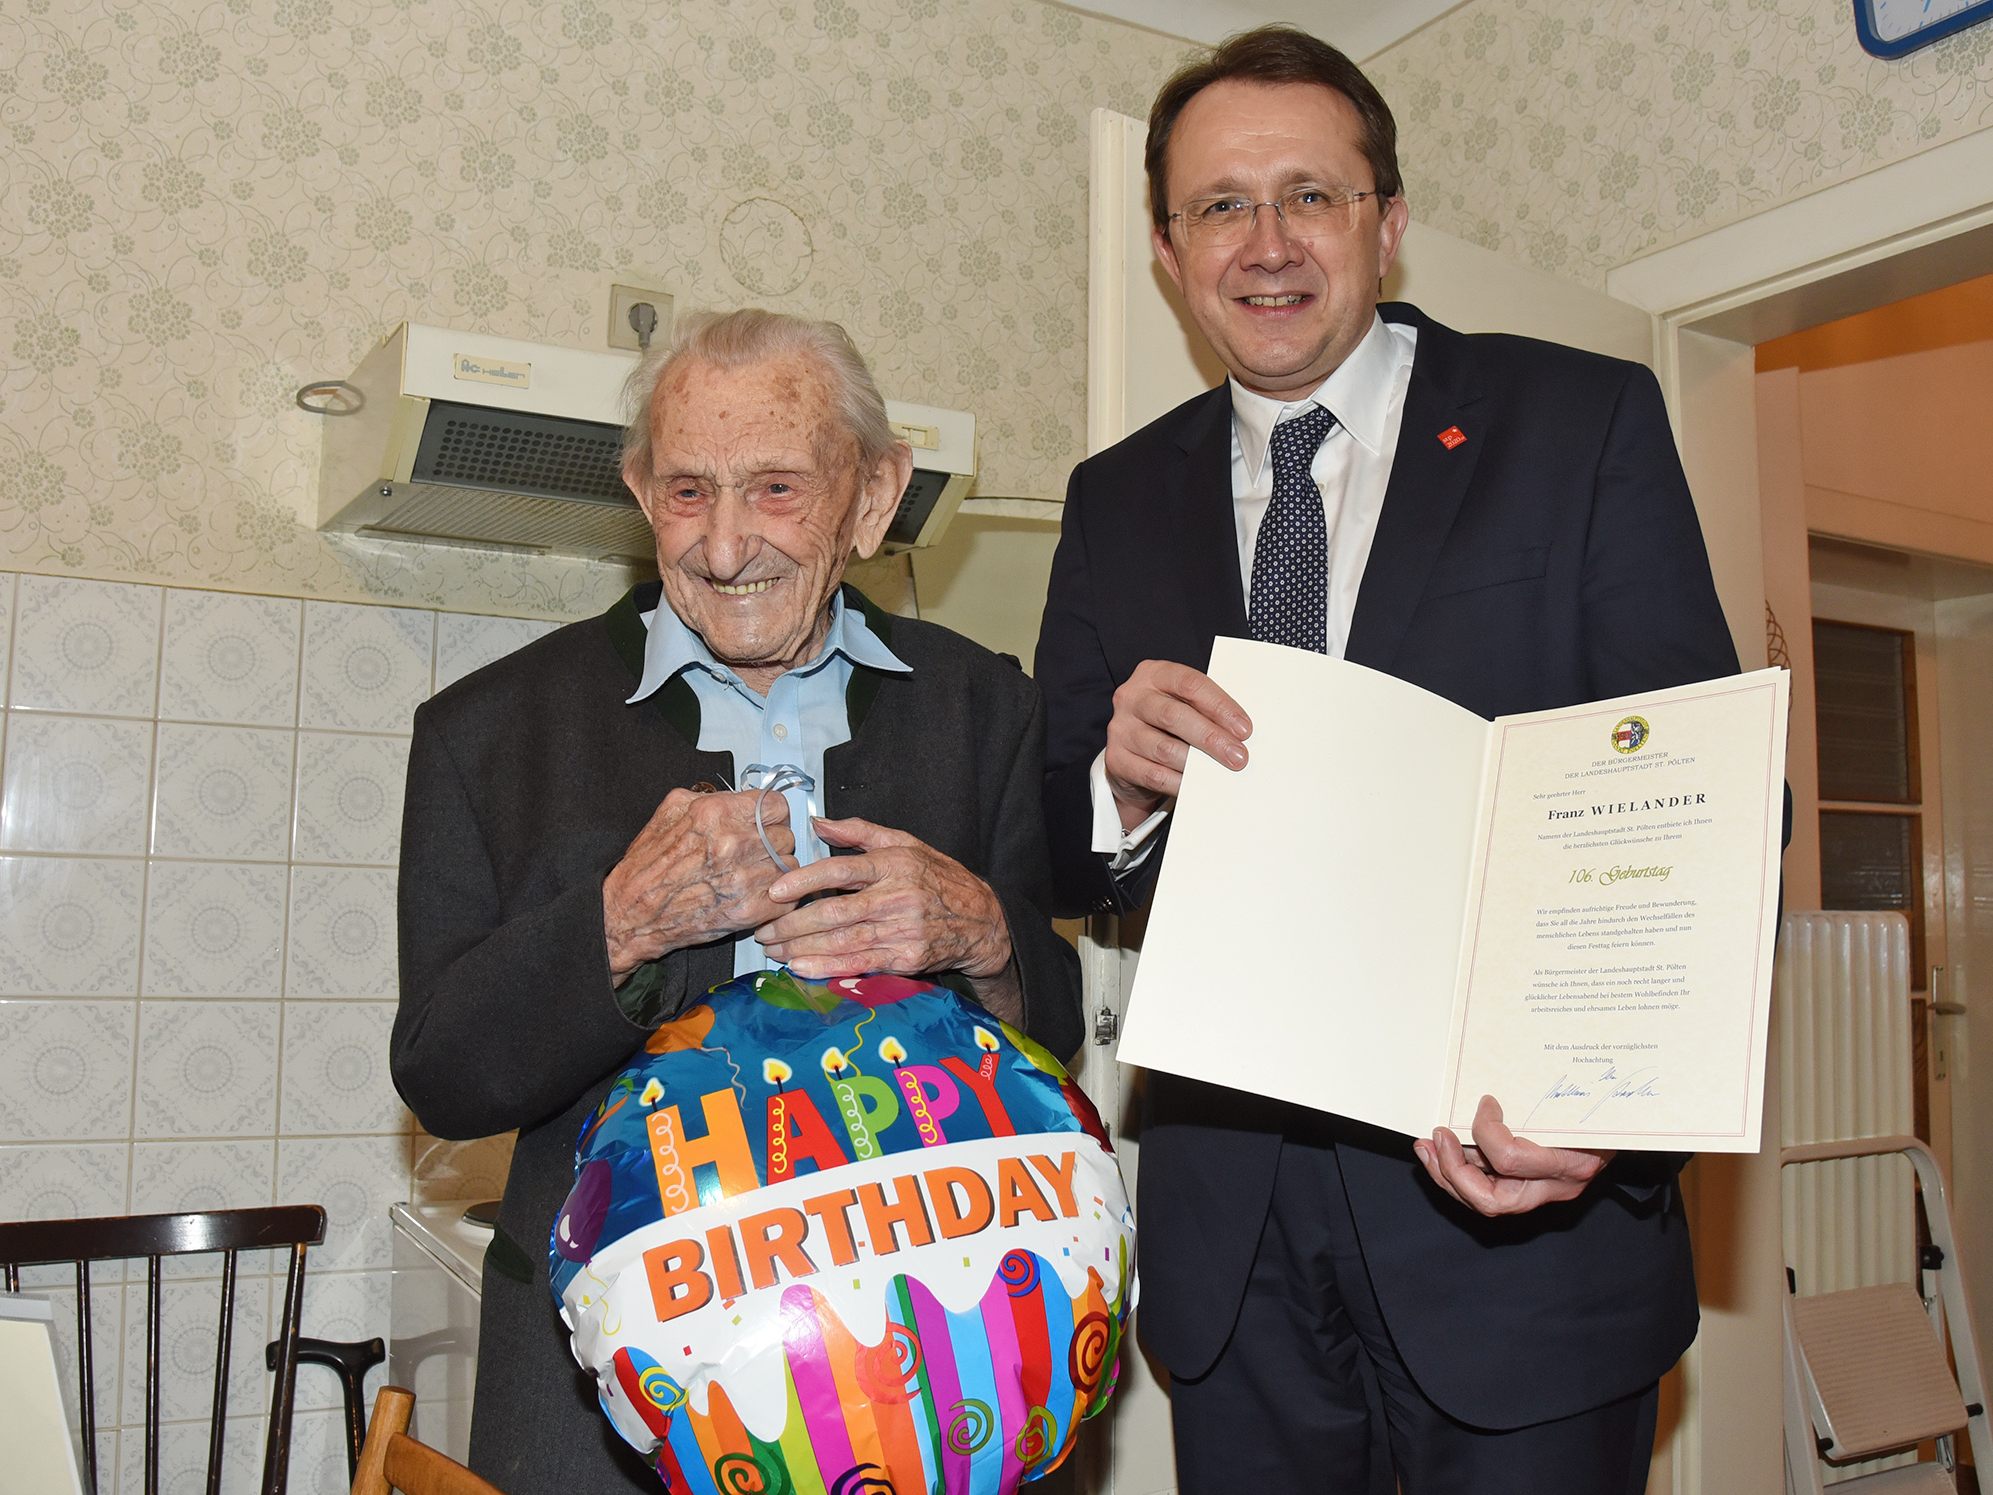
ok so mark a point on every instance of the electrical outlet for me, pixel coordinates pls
(621, 299)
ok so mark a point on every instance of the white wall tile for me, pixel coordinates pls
(205, 1175)
(355, 1179)
(183, 1051)
(202, 1175)
(349, 797)
(207, 1069)
(107, 1464)
(342, 940)
(7, 588)
(65, 1071)
(62, 1181)
(189, 1313)
(230, 658)
(336, 1069)
(441, 1171)
(341, 1305)
(66, 1182)
(106, 1352)
(365, 668)
(465, 642)
(223, 792)
(86, 646)
(214, 929)
(183, 1457)
(69, 928)
(318, 1439)
(76, 784)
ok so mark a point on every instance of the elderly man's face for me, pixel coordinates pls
(1282, 310)
(757, 502)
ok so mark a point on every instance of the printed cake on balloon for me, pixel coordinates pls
(856, 1236)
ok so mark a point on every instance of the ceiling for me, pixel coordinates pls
(1945, 318)
(1361, 28)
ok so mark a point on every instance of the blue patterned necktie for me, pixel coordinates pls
(1290, 600)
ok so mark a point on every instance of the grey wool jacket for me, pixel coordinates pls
(526, 782)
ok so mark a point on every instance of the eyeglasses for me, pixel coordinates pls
(1304, 213)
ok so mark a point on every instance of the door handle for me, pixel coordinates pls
(1942, 1009)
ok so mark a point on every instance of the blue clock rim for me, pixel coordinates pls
(1875, 46)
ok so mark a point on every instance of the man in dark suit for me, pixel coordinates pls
(1501, 521)
(570, 879)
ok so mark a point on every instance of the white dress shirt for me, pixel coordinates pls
(1366, 394)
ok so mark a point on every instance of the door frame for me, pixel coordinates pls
(1902, 229)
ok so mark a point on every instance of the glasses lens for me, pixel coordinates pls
(1217, 220)
(1316, 208)
(1305, 213)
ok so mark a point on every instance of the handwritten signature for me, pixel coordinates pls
(1600, 1090)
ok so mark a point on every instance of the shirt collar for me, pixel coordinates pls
(672, 648)
(1357, 394)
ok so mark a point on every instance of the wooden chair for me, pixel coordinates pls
(291, 1228)
(394, 1461)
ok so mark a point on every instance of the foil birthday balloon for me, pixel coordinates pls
(856, 1238)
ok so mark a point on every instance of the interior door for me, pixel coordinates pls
(1962, 1009)
(1143, 359)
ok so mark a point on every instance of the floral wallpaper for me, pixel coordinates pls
(206, 203)
(1579, 134)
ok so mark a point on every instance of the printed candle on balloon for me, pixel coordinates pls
(860, 1102)
(914, 1081)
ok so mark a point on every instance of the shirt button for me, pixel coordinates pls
(781, 732)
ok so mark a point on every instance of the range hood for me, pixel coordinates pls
(466, 439)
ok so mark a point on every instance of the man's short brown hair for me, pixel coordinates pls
(1273, 54)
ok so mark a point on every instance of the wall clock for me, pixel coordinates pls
(1890, 28)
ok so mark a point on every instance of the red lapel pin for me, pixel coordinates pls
(1452, 437)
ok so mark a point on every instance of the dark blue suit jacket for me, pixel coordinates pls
(1552, 557)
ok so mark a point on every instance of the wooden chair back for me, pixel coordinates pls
(392, 1460)
(80, 1243)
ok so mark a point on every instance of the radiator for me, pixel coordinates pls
(1843, 992)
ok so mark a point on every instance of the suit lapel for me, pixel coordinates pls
(1193, 517)
(1428, 481)
(674, 706)
(856, 770)
(852, 766)
(863, 687)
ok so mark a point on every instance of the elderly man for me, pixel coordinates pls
(570, 878)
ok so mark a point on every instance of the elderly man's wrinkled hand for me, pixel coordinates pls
(1503, 1174)
(696, 872)
(905, 908)
(1161, 712)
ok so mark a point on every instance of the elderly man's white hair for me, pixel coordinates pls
(736, 339)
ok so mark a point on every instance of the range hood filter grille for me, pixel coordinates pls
(510, 451)
(480, 516)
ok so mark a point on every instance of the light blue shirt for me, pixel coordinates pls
(801, 718)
